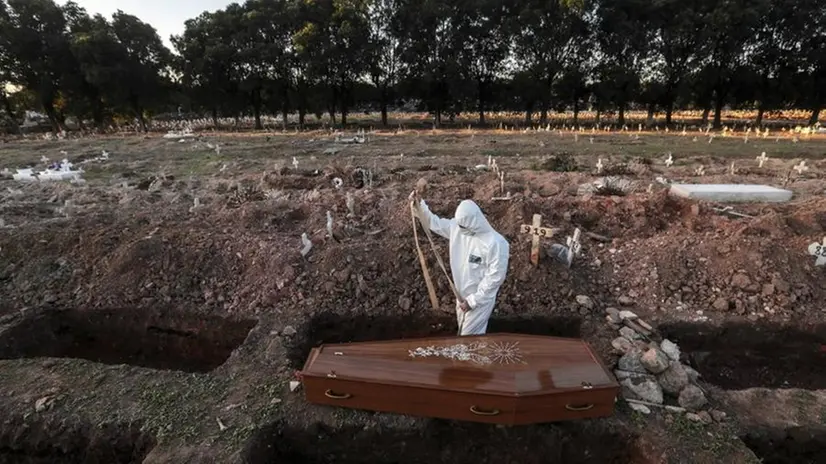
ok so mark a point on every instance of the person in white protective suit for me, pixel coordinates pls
(478, 261)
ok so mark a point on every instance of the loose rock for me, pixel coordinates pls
(693, 375)
(585, 301)
(404, 303)
(655, 361)
(721, 304)
(629, 333)
(670, 349)
(641, 408)
(692, 398)
(288, 331)
(644, 388)
(673, 379)
(631, 362)
(622, 344)
(625, 300)
(718, 416)
(628, 315)
(705, 417)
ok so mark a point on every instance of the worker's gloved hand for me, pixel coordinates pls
(415, 197)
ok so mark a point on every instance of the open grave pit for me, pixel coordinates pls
(51, 442)
(328, 328)
(442, 441)
(795, 445)
(157, 339)
(738, 356)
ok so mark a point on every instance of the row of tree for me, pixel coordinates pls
(451, 56)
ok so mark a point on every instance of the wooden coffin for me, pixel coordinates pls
(494, 378)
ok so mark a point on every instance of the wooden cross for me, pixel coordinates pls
(537, 231)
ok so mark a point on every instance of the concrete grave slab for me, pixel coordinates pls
(731, 192)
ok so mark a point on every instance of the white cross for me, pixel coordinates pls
(295, 163)
(801, 168)
(700, 171)
(818, 250)
(599, 165)
(573, 246)
(670, 160)
(762, 158)
(732, 169)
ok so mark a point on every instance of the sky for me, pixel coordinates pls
(166, 16)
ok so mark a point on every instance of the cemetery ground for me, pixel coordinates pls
(158, 312)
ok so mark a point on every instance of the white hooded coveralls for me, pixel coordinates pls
(478, 261)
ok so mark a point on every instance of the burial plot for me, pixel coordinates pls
(497, 378)
(731, 192)
(169, 340)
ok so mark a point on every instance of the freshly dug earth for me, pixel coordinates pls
(188, 319)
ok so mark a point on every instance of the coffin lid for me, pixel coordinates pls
(502, 364)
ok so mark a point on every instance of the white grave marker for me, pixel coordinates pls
(762, 159)
(670, 160)
(801, 168)
(732, 169)
(574, 246)
(818, 250)
(599, 166)
(700, 171)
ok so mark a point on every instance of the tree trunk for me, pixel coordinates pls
(343, 114)
(528, 113)
(543, 115)
(481, 88)
(6, 104)
(256, 108)
(706, 111)
(621, 120)
(598, 115)
(576, 111)
(383, 104)
(48, 108)
(285, 114)
(302, 113)
(669, 110)
(649, 118)
(718, 110)
(215, 116)
(760, 110)
(815, 116)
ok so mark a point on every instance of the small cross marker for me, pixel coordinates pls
(801, 168)
(670, 160)
(573, 246)
(818, 250)
(599, 165)
(536, 231)
(762, 159)
(700, 171)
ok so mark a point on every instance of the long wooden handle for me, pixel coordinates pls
(431, 290)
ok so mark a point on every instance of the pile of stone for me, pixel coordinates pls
(651, 372)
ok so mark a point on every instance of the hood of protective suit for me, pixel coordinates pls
(469, 216)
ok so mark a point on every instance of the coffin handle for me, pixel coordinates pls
(336, 396)
(579, 407)
(482, 412)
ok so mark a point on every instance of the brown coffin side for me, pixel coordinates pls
(585, 404)
(410, 400)
(457, 405)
